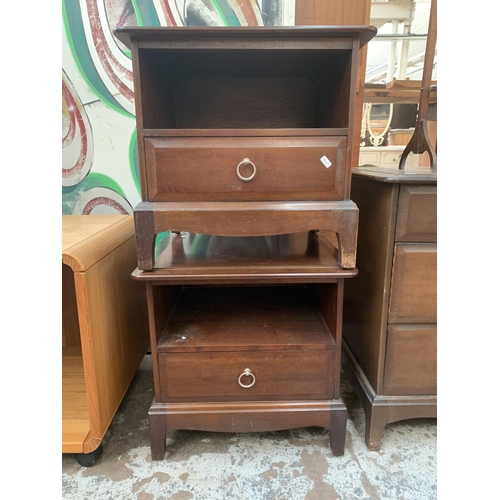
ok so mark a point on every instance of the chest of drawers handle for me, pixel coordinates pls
(246, 161)
(247, 373)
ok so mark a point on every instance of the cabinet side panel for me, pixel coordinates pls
(114, 331)
(161, 302)
(367, 295)
(136, 63)
(329, 297)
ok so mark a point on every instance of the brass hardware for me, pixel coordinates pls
(246, 161)
(246, 373)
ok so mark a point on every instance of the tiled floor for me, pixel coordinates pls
(289, 465)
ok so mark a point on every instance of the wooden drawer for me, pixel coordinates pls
(411, 360)
(213, 376)
(417, 214)
(205, 168)
(414, 284)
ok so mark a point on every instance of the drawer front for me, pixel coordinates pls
(417, 214)
(414, 284)
(411, 360)
(390, 159)
(213, 376)
(281, 168)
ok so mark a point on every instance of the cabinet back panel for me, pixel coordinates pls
(244, 103)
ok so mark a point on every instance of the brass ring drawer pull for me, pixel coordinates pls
(246, 161)
(246, 373)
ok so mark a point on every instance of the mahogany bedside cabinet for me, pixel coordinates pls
(246, 335)
(245, 131)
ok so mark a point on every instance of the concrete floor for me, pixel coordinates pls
(288, 465)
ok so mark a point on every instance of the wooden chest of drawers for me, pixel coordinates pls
(263, 117)
(390, 353)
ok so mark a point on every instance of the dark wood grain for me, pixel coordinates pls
(238, 102)
(164, 34)
(411, 360)
(214, 376)
(247, 219)
(245, 319)
(204, 169)
(215, 333)
(381, 410)
(223, 80)
(329, 299)
(389, 349)
(161, 302)
(414, 284)
(251, 416)
(200, 259)
(244, 132)
(251, 89)
(367, 297)
(140, 75)
(284, 98)
(285, 335)
(393, 175)
(417, 214)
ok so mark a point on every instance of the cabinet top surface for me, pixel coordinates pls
(199, 258)
(394, 175)
(86, 239)
(145, 33)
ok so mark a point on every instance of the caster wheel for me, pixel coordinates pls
(88, 459)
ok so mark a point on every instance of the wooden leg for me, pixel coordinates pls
(338, 422)
(145, 237)
(348, 239)
(347, 250)
(157, 435)
(376, 420)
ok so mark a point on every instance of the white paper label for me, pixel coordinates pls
(326, 162)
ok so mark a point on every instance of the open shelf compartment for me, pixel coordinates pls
(250, 89)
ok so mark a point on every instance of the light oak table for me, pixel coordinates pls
(104, 327)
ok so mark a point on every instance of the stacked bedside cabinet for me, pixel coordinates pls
(390, 314)
(245, 132)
